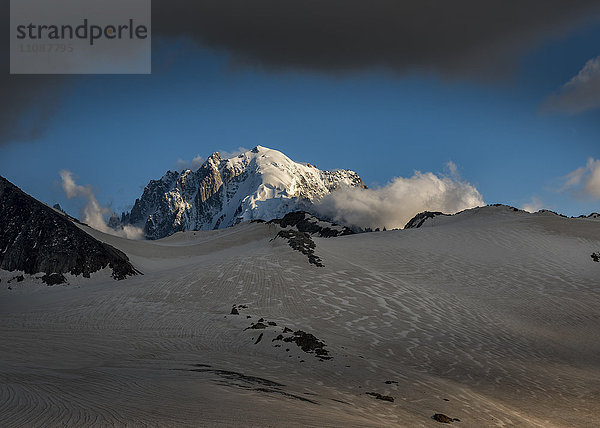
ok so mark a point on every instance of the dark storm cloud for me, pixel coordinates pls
(454, 38)
(27, 103)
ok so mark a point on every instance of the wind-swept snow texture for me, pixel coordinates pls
(490, 316)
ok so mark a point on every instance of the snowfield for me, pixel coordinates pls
(490, 316)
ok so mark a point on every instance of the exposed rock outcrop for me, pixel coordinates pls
(305, 222)
(418, 220)
(302, 242)
(379, 396)
(440, 417)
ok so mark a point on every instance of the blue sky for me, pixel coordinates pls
(116, 133)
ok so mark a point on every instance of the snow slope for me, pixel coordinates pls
(259, 184)
(491, 317)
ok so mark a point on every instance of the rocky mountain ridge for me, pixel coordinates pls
(429, 218)
(259, 184)
(35, 238)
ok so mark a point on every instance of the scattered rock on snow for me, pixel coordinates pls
(256, 326)
(381, 397)
(302, 242)
(54, 279)
(440, 417)
(309, 343)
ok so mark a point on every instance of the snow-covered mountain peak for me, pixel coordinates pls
(261, 183)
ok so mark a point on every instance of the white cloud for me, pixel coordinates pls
(228, 155)
(393, 205)
(93, 213)
(193, 164)
(534, 205)
(584, 181)
(581, 93)
(452, 168)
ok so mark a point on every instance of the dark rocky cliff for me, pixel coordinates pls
(36, 238)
